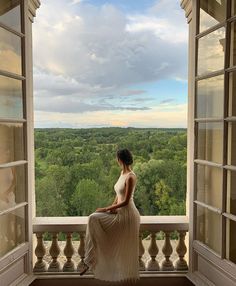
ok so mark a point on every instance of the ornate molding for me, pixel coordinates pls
(33, 5)
(187, 5)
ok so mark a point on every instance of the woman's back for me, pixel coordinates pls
(120, 186)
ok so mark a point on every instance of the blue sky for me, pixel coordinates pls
(110, 63)
(129, 6)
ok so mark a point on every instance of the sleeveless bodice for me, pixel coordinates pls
(120, 187)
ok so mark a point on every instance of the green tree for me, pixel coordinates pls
(166, 201)
(87, 197)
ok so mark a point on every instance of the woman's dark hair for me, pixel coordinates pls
(125, 156)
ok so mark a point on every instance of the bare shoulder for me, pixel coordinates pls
(132, 177)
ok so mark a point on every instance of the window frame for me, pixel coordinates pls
(225, 120)
(23, 247)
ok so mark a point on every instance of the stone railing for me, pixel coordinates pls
(157, 252)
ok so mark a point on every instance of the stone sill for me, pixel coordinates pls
(78, 223)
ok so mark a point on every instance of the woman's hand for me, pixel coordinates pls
(101, 210)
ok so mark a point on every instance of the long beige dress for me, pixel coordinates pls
(112, 240)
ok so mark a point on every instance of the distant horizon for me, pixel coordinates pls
(129, 127)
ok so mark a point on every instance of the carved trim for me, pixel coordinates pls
(187, 5)
(33, 5)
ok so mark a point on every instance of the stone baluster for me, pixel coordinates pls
(69, 265)
(181, 249)
(167, 264)
(152, 264)
(141, 253)
(81, 250)
(40, 265)
(54, 251)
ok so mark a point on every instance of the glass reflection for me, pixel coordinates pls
(210, 142)
(11, 143)
(12, 230)
(209, 185)
(212, 12)
(10, 52)
(211, 52)
(12, 186)
(232, 143)
(233, 8)
(232, 94)
(230, 240)
(210, 96)
(10, 14)
(10, 98)
(233, 44)
(208, 228)
(231, 192)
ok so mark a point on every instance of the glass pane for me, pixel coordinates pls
(12, 186)
(233, 7)
(211, 52)
(212, 12)
(232, 143)
(230, 240)
(210, 142)
(10, 52)
(231, 192)
(10, 14)
(208, 228)
(233, 44)
(210, 96)
(12, 230)
(209, 185)
(10, 98)
(232, 94)
(11, 143)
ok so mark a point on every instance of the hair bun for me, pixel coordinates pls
(125, 156)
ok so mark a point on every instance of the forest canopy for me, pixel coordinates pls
(76, 169)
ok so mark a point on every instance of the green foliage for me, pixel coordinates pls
(166, 201)
(76, 169)
(87, 195)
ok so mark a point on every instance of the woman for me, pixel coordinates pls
(112, 234)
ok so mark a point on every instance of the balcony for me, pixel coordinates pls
(161, 257)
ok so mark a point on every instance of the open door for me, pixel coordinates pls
(212, 141)
(16, 140)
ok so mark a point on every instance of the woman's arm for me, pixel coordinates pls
(128, 191)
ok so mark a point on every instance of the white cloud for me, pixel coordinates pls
(85, 55)
(76, 2)
(161, 28)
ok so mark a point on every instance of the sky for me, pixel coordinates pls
(103, 63)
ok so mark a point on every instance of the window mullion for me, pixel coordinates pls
(11, 30)
(16, 207)
(13, 164)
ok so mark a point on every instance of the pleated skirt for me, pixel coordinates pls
(112, 244)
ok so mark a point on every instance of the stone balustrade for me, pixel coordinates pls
(157, 252)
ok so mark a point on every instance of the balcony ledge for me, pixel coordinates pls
(78, 223)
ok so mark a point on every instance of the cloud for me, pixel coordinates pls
(161, 28)
(133, 92)
(75, 105)
(143, 99)
(76, 2)
(168, 100)
(86, 54)
(158, 117)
